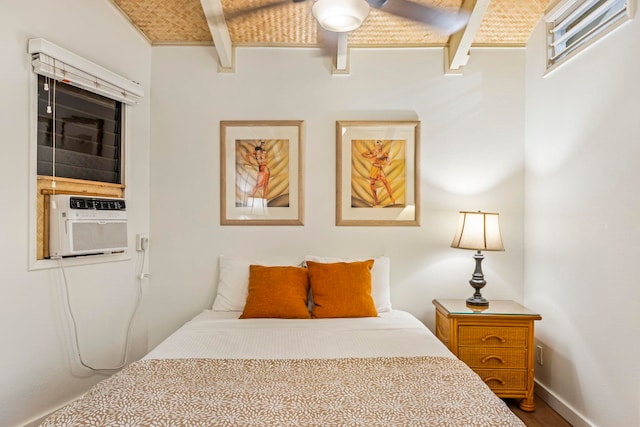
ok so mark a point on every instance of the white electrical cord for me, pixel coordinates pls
(139, 278)
(143, 247)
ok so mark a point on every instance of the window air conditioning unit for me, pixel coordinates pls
(81, 225)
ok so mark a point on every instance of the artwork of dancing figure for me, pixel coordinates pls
(259, 156)
(379, 159)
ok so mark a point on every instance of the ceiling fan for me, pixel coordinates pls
(340, 16)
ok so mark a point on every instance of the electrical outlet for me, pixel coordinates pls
(142, 242)
(539, 358)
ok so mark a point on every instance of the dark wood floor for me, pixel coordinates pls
(543, 416)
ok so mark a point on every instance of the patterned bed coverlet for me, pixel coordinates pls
(378, 391)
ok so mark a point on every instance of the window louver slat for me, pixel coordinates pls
(579, 11)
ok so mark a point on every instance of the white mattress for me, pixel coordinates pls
(221, 335)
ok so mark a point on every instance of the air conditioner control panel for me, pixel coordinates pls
(97, 204)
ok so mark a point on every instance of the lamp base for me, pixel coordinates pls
(477, 282)
(477, 301)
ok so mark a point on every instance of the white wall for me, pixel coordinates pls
(471, 158)
(583, 226)
(39, 368)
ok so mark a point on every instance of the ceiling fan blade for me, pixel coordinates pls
(445, 21)
(253, 9)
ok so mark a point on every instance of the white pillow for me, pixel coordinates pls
(233, 283)
(380, 291)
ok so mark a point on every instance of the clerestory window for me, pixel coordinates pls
(574, 24)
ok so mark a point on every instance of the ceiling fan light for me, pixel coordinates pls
(340, 15)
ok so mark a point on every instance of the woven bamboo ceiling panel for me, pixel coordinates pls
(182, 22)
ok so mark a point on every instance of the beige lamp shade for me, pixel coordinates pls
(479, 231)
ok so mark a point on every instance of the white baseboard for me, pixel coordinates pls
(40, 418)
(36, 422)
(561, 407)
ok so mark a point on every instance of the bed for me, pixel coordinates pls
(224, 368)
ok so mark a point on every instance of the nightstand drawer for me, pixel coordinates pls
(503, 379)
(483, 357)
(493, 336)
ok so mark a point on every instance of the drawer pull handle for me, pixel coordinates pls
(488, 337)
(498, 380)
(492, 356)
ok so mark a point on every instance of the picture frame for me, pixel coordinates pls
(377, 173)
(261, 172)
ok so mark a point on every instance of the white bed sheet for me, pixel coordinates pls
(221, 335)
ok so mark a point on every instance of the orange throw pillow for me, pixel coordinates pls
(341, 289)
(277, 292)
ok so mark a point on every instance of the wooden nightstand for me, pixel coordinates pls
(497, 343)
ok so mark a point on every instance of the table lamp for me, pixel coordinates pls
(479, 231)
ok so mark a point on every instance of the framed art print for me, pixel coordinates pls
(261, 181)
(377, 168)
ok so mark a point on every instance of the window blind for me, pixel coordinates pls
(62, 65)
